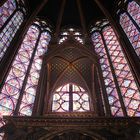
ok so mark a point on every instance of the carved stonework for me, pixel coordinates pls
(102, 128)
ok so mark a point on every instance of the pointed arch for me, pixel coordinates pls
(82, 131)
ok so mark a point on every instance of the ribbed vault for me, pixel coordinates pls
(70, 65)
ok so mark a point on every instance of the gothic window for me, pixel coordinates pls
(70, 98)
(121, 88)
(70, 32)
(107, 75)
(130, 22)
(11, 17)
(6, 10)
(19, 90)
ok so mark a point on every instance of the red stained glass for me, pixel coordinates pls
(107, 75)
(134, 10)
(70, 98)
(124, 76)
(131, 32)
(9, 32)
(6, 10)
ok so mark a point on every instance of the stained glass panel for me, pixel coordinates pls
(70, 98)
(32, 82)
(6, 10)
(13, 84)
(134, 10)
(131, 31)
(9, 32)
(128, 87)
(80, 102)
(107, 75)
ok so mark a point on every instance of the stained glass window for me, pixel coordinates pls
(130, 22)
(131, 31)
(9, 32)
(13, 84)
(134, 10)
(130, 94)
(128, 87)
(70, 98)
(6, 10)
(22, 79)
(32, 81)
(107, 75)
(11, 17)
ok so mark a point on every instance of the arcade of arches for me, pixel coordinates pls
(71, 77)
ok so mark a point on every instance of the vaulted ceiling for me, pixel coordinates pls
(71, 15)
(70, 62)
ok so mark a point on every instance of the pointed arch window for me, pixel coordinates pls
(70, 98)
(11, 17)
(130, 22)
(122, 91)
(19, 89)
(71, 32)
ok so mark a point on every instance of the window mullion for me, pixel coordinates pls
(133, 21)
(104, 92)
(26, 77)
(114, 77)
(70, 98)
(8, 20)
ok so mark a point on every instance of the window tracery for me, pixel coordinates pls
(11, 17)
(6, 10)
(107, 75)
(70, 98)
(9, 32)
(71, 32)
(130, 22)
(134, 10)
(108, 48)
(22, 79)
